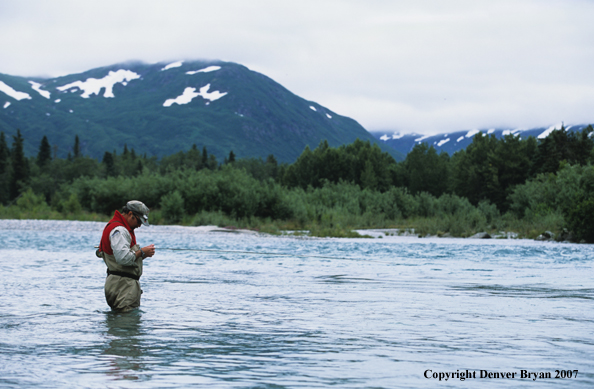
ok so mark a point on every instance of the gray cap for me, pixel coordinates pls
(140, 210)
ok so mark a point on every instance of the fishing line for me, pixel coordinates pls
(267, 253)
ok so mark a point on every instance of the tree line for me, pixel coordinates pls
(351, 185)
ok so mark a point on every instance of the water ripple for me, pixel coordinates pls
(377, 315)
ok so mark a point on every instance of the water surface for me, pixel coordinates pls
(347, 313)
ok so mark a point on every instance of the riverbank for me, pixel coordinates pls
(419, 227)
(333, 222)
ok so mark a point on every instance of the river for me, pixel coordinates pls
(226, 312)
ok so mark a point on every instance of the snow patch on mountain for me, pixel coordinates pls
(312, 108)
(173, 65)
(184, 98)
(13, 93)
(6, 104)
(37, 88)
(329, 116)
(190, 93)
(94, 85)
(471, 133)
(443, 142)
(205, 70)
(549, 130)
(422, 138)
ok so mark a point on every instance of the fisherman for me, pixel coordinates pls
(123, 256)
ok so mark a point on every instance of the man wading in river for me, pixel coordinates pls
(123, 256)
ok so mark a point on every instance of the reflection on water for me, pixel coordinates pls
(378, 315)
(124, 350)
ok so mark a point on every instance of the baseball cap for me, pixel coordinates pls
(140, 210)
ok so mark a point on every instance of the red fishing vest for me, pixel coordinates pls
(117, 220)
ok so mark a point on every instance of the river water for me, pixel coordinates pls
(345, 313)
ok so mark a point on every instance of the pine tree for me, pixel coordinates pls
(4, 169)
(20, 167)
(76, 149)
(231, 157)
(271, 160)
(204, 157)
(4, 154)
(193, 158)
(212, 162)
(109, 163)
(272, 167)
(45, 153)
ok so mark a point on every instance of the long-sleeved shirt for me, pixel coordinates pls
(120, 240)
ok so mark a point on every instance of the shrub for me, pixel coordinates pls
(172, 207)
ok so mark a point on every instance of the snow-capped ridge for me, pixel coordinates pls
(13, 93)
(472, 133)
(205, 70)
(549, 130)
(172, 65)
(452, 142)
(93, 85)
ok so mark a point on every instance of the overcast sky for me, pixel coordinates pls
(410, 66)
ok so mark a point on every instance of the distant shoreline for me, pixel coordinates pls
(358, 233)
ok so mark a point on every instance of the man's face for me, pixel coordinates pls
(133, 220)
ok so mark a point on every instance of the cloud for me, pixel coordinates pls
(409, 65)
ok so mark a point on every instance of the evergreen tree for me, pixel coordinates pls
(139, 168)
(4, 154)
(231, 158)
(20, 167)
(272, 167)
(193, 159)
(426, 171)
(109, 163)
(271, 160)
(44, 156)
(212, 162)
(511, 158)
(76, 148)
(474, 173)
(204, 157)
(4, 169)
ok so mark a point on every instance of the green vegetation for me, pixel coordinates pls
(494, 185)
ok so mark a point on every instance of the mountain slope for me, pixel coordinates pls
(159, 109)
(459, 140)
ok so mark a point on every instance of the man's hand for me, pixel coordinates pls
(149, 250)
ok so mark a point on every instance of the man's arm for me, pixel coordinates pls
(120, 240)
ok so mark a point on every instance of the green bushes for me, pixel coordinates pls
(568, 194)
(329, 191)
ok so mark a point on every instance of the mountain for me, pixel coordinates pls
(455, 141)
(159, 109)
